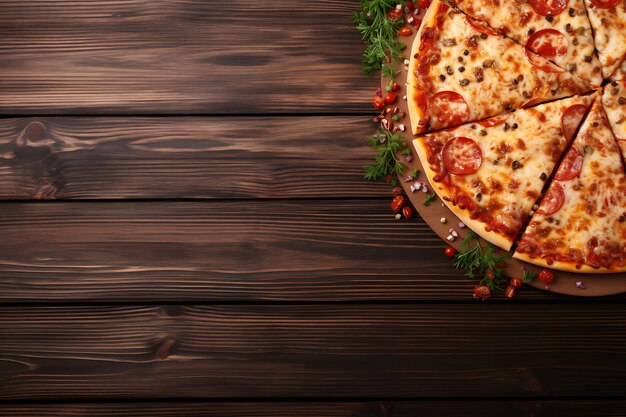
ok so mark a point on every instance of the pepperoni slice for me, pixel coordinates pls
(605, 4)
(448, 108)
(571, 165)
(481, 27)
(530, 102)
(548, 7)
(462, 156)
(549, 43)
(494, 121)
(542, 63)
(572, 116)
(552, 201)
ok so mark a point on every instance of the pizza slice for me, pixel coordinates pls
(558, 30)
(491, 172)
(614, 101)
(608, 19)
(580, 225)
(462, 71)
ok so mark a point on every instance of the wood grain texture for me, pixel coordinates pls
(255, 250)
(186, 157)
(450, 408)
(321, 351)
(181, 57)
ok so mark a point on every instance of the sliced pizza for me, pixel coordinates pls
(614, 101)
(580, 225)
(608, 19)
(490, 173)
(558, 30)
(461, 71)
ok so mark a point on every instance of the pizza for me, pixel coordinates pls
(608, 19)
(462, 70)
(580, 225)
(558, 30)
(490, 173)
(614, 101)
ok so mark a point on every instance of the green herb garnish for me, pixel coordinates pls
(429, 199)
(379, 33)
(528, 277)
(386, 163)
(476, 260)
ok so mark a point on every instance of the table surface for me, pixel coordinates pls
(186, 232)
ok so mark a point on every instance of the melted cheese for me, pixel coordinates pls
(518, 20)
(590, 228)
(616, 112)
(609, 26)
(517, 158)
(492, 73)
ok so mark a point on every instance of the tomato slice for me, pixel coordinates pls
(552, 201)
(448, 108)
(548, 7)
(605, 4)
(542, 63)
(571, 165)
(494, 121)
(549, 43)
(572, 116)
(462, 156)
(481, 27)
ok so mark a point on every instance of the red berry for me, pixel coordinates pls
(396, 190)
(509, 292)
(450, 252)
(390, 98)
(546, 276)
(397, 203)
(395, 87)
(394, 14)
(516, 282)
(407, 212)
(482, 291)
(378, 102)
(490, 275)
(405, 31)
(423, 4)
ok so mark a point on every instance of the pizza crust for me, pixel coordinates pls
(463, 215)
(566, 266)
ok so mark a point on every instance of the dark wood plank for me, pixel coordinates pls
(192, 56)
(321, 351)
(223, 251)
(189, 157)
(570, 408)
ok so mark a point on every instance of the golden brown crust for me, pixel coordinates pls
(479, 227)
(566, 266)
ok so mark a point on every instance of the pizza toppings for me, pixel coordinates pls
(541, 63)
(481, 27)
(605, 4)
(549, 43)
(448, 108)
(571, 119)
(462, 156)
(552, 201)
(571, 166)
(548, 7)
(494, 121)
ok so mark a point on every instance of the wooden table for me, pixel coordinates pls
(186, 232)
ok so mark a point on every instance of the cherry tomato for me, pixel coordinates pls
(397, 203)
(378, 102)
(394, 14)
(395, 87)
(516, 282)
(423, 4)
(482, 291)
(546, 276)
(396, 190)
(490, 275)
(407, 212)
(405, 31)
(509, 292)
(390, 98)
(450, 252)
(410, 6)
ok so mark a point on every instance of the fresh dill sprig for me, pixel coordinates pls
(476, 260)
(386, 162)
(528, 277)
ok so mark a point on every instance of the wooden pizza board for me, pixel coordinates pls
(564, 282)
